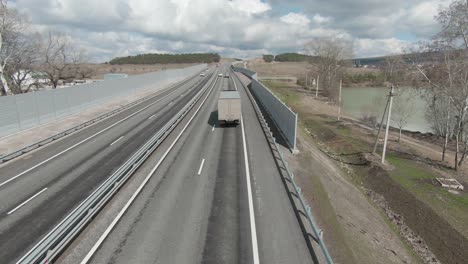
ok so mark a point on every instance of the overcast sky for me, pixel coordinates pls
(235, 28)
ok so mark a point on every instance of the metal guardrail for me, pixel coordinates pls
(56, 240)
(317, 231)
(29, 148)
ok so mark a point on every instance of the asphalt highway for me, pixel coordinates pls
(38, 190)
(217, 198)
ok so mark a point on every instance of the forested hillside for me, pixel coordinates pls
(168, 58)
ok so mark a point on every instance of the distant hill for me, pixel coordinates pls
(154, 58)
(293, 57)
(408, 58)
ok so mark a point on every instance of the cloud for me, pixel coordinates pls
(379, 47)
(295, 19)
(239, 28)
(321, 19)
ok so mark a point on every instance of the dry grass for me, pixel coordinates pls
(132, 69)
(296, 69)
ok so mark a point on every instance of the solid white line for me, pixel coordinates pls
(234, 81)
(253, 228)
(151, 116)
(137, 192)
(27, 201)
(116, 140)
(86, 139)
(201, 166)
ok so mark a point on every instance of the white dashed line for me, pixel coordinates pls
(116, 140)
(201, 166)
(88, 138)
(25, 202)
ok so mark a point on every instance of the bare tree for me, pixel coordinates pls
(22, 65)
(11, 43)
(446, 70)
(394, 69)
(403, 108)
(84, 71)
(332, 55)
(60, 57)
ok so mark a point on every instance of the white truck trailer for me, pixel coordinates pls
(229, 107)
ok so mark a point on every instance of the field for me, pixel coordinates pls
(354, 76)
(101, 69)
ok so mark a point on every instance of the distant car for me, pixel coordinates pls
(220, 75)
(226, 75)
(202, 74)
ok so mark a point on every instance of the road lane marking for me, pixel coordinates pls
(148, 177)
(201, 166)
(86, 139)
(25, 202)
(151, 116)
(234, 81)
(253, 228)
(116, 140)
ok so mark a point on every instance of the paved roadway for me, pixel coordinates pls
(196, 209)
(38, 190)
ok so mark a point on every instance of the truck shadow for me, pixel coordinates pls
(213, 119)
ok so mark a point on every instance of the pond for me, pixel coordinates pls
(363, 101)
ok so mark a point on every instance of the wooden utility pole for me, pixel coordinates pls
(339, 100)
(316, 86)
(380, 127)
(447, 123)
(387, 125)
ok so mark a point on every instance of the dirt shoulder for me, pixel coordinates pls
(399, 214)
(354, 230)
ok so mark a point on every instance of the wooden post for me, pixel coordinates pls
(339, 100)
(380, 127)
(387, 126)
(317, 86)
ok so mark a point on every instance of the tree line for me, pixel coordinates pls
(291, 57)
(154, 58)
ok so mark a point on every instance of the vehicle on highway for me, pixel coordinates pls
(229, 107)
(226, 75)
(220, 75)
(202, 74)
